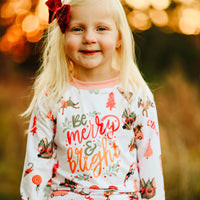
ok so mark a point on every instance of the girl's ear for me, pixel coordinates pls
(119, 41)
(118, 45)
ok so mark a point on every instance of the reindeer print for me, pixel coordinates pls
(126, 96)
(68, 103)
(132, 145)
(107, 194)
(128, 119)
(148, 189)
(138, 132)
(145, 105)
(45, 149)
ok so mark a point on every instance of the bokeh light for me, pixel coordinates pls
(189, 22)
(139, 20)
(138, 4)
(30, 23)
(160, 4)
(159, 17)
(26, 20)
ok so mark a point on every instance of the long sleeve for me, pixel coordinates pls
(40, 156)
(149, 151)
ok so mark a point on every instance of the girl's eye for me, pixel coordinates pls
(77, 29)
(101, 28)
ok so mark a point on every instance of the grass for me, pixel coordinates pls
(179, 115)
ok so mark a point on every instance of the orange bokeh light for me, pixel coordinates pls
(190, 21)
(159, 17)
(160, 4)
(139, 20)
(30, 23)
(7, 10)
(139, 4)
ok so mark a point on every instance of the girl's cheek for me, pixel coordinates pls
(109, 43)
(71, 44)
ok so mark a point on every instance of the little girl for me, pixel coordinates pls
(93, 130)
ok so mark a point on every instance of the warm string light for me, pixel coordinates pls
(27, 19)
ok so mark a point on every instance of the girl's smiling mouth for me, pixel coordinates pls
(89, 52)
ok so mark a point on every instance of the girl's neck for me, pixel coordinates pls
(95, 76)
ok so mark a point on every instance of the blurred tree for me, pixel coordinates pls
(158, 53)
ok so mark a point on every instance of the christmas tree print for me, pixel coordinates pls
(111, 101)
(149, 151)
(34, 128)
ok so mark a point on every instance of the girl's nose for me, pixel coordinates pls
(89, 37)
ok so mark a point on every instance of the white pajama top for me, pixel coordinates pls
(96, 144)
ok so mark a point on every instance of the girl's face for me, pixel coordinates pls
(92, 38)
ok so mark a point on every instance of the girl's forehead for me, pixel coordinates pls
(99, 6)
(94, 10)
(87, 2)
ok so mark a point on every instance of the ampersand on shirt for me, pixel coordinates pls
(89, 150)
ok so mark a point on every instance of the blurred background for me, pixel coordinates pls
(167, 35)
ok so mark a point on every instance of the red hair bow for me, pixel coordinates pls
(59, 11)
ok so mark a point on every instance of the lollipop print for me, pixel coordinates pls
(37, 180)
(29, 170)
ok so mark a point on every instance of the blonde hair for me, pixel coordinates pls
(56, 69)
